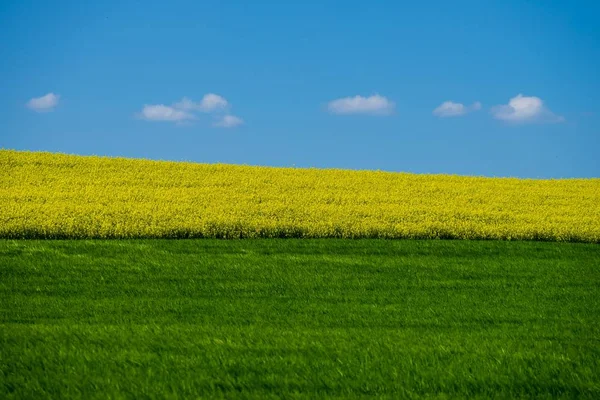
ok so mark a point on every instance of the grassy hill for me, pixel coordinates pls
(299, 319)
(45, 195)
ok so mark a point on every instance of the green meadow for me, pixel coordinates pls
(299, 319)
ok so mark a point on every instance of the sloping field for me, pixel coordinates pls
(44, 195)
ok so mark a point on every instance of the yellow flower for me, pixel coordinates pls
(49, 195)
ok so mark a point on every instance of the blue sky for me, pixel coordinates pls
(420, 87)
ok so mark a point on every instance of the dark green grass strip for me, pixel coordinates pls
(299, 319)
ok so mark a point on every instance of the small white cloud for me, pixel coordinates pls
(525, 109)
(210, 103)
(228, 121)
(185, 104)
(45, 103)
(374, 105)
(452, 109)
(213, 102)
(160, 112)
(186, 110)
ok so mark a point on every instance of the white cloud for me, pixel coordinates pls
(160, 112)
(45, 103)
(452, 109)
(228, 121)
(185, 104)
(213, 102)
(525, 109)
(210, 103)
(374, 105)
(186, 109)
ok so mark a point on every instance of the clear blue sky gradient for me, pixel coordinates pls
(279, 62)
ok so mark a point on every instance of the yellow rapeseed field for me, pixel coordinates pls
(46, 195)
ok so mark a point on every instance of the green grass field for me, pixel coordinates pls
(299, 319)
